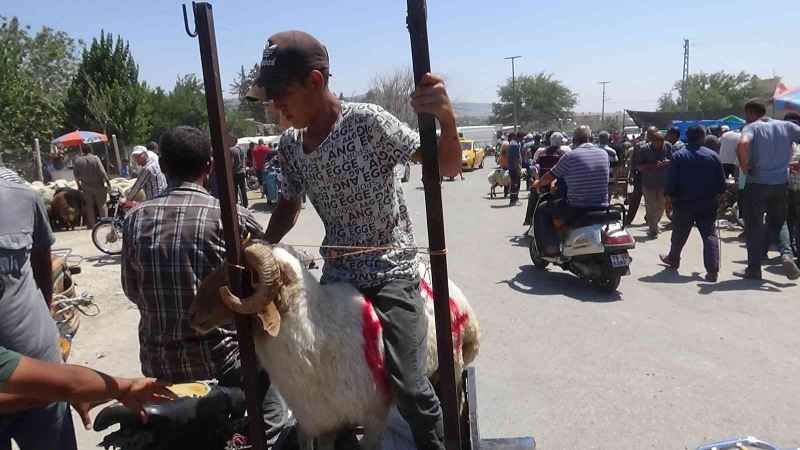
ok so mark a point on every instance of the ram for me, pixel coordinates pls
(322, 344)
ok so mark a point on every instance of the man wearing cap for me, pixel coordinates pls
(151, 180)
(93, 183)
(343, 155)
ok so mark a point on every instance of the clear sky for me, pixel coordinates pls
(637, 45)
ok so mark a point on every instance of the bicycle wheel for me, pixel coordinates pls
(107, 236)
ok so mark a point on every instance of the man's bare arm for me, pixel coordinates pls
(42, 265)
(431, 97)
(743, 153)
(283, 219)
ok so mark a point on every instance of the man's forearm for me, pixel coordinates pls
(449, 149)
(743, 154)
(42, 265)
(283, 219)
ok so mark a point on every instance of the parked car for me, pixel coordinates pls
(471, 155)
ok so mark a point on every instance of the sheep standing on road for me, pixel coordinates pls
(322, 344)
(499, 177)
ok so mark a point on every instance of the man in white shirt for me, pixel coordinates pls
(727, 151)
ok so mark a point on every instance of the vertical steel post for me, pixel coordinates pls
(38, 158)
(116, 154)
(420, 55)
(223, 169)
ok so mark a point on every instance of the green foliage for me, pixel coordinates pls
(609, 123)
(240, 86)
(712, 91)
(35, 70)
(238, 125)
(105, 93)
(542, 103)
(184, 105)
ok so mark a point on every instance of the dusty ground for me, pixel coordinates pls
(669, 362)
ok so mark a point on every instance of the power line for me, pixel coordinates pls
(685, 81)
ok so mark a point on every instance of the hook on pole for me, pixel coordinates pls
(186, 21)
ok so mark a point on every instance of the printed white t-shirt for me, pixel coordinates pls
(352, 183)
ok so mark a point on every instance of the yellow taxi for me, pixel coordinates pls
(471, 156)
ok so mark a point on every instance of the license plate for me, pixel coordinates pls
(620, 260)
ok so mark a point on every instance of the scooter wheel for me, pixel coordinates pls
(535, 258)
(607, 285)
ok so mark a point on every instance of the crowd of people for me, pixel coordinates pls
(684, 178)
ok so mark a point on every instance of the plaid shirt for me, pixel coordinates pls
(170, 244)
(151, 180)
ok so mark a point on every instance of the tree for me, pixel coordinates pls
(184, 105)
(714, 91)
(609, 123)
(105, 93)
(34, 74)
(392, 91)
(542, 103)
(244, 80)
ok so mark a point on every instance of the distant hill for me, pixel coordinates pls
(469, 109)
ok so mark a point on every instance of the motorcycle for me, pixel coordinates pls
(593, 246)
(741, 444)
(251, 180)
(204, 417)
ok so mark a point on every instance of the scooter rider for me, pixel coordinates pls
(585, 170)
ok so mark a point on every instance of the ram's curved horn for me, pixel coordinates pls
(259, 260)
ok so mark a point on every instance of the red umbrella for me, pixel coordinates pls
(78, 138)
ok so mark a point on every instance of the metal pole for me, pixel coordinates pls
(223, 168)
(420, 55)
(38, 158)
(116, 153)
(603, 113)
(514, 89)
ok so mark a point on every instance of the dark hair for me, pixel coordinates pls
(756, 106)
(86, 149)
(674, 130)
(184, 152)
(696, 134)
(792, 117)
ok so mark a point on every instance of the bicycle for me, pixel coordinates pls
(107, 232)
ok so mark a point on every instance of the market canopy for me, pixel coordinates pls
(662, 120)
(733, 118)
(77, 138)
(787, 99)
(684, 125)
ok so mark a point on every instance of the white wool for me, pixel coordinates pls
(317, 359)
(499, 177)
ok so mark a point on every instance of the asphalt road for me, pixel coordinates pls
(670, 361)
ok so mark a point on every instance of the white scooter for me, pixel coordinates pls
(593, 246)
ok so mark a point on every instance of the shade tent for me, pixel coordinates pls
(733, 118)
(685, 124)
(787, 99)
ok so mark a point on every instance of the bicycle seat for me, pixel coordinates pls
(218, 404)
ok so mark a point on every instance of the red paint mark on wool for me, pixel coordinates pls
(372, 331)
(457, 318)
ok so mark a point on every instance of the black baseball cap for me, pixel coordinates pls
(286, 55)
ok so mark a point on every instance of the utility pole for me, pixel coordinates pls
(603, 113)
(685, 82)
(514, 88)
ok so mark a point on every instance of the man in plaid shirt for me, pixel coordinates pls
(170, 244)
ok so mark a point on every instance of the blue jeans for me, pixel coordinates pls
(45, 428)
(761, 199)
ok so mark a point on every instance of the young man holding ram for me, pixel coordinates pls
(343, 155)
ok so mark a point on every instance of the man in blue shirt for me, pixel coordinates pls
(585, 170)
(694, 180)
(764, 152)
